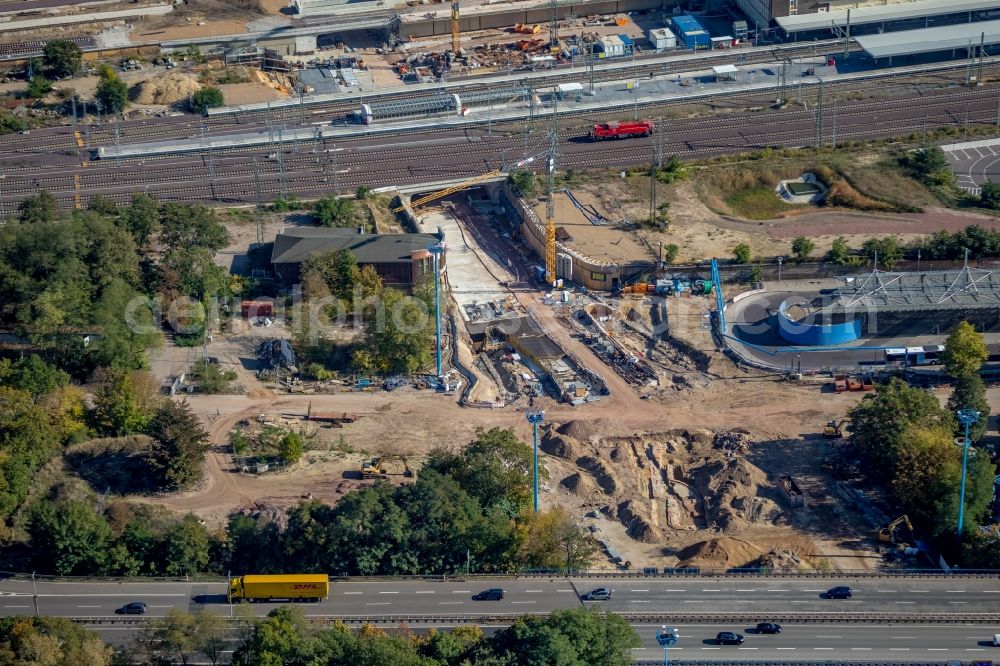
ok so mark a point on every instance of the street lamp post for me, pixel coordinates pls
(435, 250)
(34, 589)
(666, 637)
(966, 417)
(535, 417)
(780, 259)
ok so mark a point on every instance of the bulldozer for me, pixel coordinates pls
(888, 534)
(375, 467)
(834, 429)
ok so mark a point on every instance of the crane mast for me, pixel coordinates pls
(550, 207)
(455, 29)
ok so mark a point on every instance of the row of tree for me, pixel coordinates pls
(907, 440)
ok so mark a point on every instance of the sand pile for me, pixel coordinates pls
(587, 431)
(721, 553)
(168, 89)
(733, 490)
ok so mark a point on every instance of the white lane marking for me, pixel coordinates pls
(906, 602)
(937, 649)
(822, 648)
(693, 601)
(861, 648)
(361, 593)
(777, 590)
(899, 649)
(424, 592)
(381, 603)
(534, 590)
(161, 606)
(743, 601)
(449, 603)
(675, 590)
(638, 590)
(114, 594)
(461, 591)
(814, 590)
(749, 648)
(993, 591)
(522, 602)
(904, 638)
(16, 606)
(798, 602)
(711, 590)
(954, 591)
(384, 592)
(784, 648)
(711, 648)
(829, 636)
(564, 590)
(88, 606)
(975, 649)
(958, 602)
(746, 590)
(885, 591)
(920, 591)
(639, 601)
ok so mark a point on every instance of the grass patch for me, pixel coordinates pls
(115, 463)
(759, 203)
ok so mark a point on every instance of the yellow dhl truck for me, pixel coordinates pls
(291, 587)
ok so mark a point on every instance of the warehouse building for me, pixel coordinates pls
(401, 260)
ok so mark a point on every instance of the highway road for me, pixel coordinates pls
(761, 597)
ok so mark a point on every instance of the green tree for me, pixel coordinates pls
(670, 252)
(554, 540)
(207, 98)
(175, 634)
(177, 455)
(397, 337)
(337, 270)
(964, 351)
(190, 226)
(62, 58)
(186, 547)
(211, 632)
(291, 447)
(39, 641)
(982, 473)
(450, 647)
(39, 208)
(887, 250)
(742, 253)
(802, 247)
(672, 171)
(112, 92)
(141, 218)
(839, 252)
(925, 476)
(969, 392)
(334, 211)
(989, 195)
(661, 217)
(210, 377)
(33, 375)
(522, 182)
(363, 192)
(880, 420)
(124, 402)
(929, 164)
(38, 87)
(68, 538)
(568, 638)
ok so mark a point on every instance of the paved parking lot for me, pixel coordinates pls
(974, 162)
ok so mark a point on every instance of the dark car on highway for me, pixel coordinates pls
(768, 628)
(134, 608)
(840, 592)
(492, 594)
(729, 638)
(600, 594)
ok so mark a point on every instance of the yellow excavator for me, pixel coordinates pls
(375, 467)
(834, 429)
(888, 534)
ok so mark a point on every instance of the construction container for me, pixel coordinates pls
(627, 43)
(662, 39)
(612, 46)
(250, 309)
(690, 32)
(740, 30)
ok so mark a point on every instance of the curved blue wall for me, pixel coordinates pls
(816, 335)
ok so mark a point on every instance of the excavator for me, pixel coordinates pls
(888, 534)
(375, 467)
(834, 429)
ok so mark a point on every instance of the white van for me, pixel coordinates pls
(996, 640)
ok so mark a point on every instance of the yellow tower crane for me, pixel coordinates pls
(456, 29)
(475, 180)
(550, 205)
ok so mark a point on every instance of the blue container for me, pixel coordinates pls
(628, 42)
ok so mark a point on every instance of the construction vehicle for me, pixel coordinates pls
(888, 534)
(290, 587)
(525, 29)
(621, 130)
(834, 429)
(375, 467)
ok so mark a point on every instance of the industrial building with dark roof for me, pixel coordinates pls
(399, 259)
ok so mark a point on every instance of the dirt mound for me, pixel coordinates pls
(559, 445)
(732, 489)
(168, 89)
(601, 472)
(635, 517)
(721, 553)
(579, 484)
(587, 431)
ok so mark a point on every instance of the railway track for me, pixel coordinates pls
(312, 174)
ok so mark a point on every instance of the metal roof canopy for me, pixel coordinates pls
(929, 40)
(965, 288)
(725, 69)
(894, 12)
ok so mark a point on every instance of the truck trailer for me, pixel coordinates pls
(286, 587)
(621, 130)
